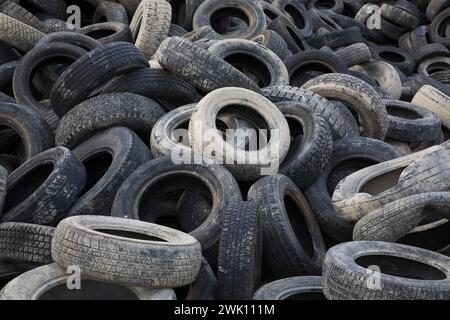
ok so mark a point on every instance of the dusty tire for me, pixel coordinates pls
(240, 252)
(246, 10)
(42, 189)
(150, 25)
(296, 241)
(362, 98)
(375, 186)
(246, 165)
(49, 282)
(18, 34)
(25, 243)
(350, 155)
(410, 123)
(106, 111)
(106, 170)
(301, 288)
(345, 279)
(398, 218)
(144, 262)
(431, 99)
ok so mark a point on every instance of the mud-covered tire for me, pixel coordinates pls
(25, 243)
(78, 81)
(296, 240)
(240, 252)
(106, 111)
(431, 99)
(346, 279)
(42, 189)
(143, 263)
(359, 96)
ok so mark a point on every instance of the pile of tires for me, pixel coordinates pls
(224, 149)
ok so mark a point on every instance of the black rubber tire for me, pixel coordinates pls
(106, 111)
(78, 81)
(49, 282)
(425, 70)
(331, 5)
(410, 123)
(398, 58)
(35, 134)
(54, 8)
(336, 39)
(254, 60)
(77, 39)
(30, 63)
(273, 41)
(288, 31)
(9, 271)
(153, 84)
(388, 30)
(200, 67)
(298, 13)
(341, 121)
(125, 153)
(193, 208)
(55, 25)
(17, 34)
(359, 96)
(44, 188)
(354, 54)
(108, 32)
(204, 286)
(430, 51)
(309, 153)
(133, 194)
(148, 263)
(346, 279)
(350, 155)
(317, 61)
(109, 11)
(240, 252)
(301, 288)
(183, 12)
(437, 32)
(246, 10)
(293, 237)
(25, 243)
